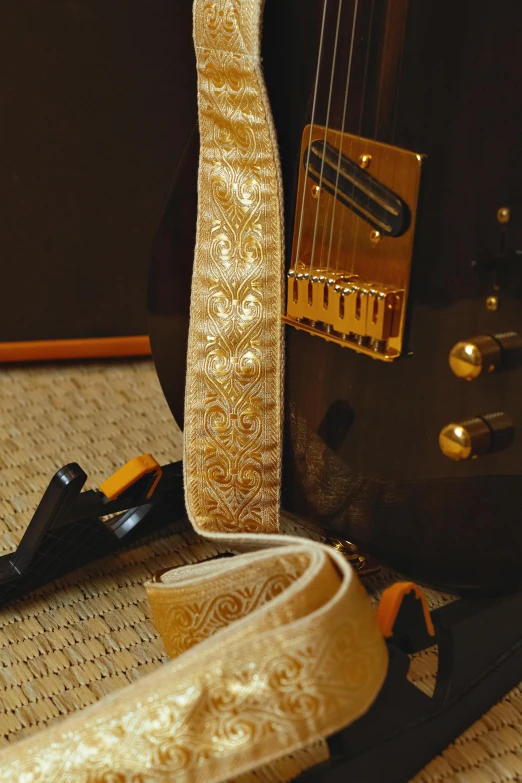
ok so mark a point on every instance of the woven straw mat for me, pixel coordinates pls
(90, 633)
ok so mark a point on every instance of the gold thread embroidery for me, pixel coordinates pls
(304, 664)
(185, 617)
(233, 419)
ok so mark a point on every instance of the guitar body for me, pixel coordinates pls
(361, 445)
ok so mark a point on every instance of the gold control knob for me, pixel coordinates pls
(471, 438)
(470, 358)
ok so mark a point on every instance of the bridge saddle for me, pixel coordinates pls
(345, 309)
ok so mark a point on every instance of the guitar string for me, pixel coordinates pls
(346, 211)
(343, 124)
(357, 222)
(378, 106)
(329, 204)
(377, 173)
(391, 140)
(301, 216)
(397, 169)
(320, 183)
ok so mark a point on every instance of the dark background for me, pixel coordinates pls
(89, 139)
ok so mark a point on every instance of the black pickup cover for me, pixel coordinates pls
(358, 190)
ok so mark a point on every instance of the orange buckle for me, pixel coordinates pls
(131, 472)
(390, 605)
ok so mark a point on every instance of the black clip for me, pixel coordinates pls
(70, 527)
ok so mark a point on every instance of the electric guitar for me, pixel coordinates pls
(399, 124)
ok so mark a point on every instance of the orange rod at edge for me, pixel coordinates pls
(82, 348)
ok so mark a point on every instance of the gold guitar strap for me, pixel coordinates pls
(279, 647)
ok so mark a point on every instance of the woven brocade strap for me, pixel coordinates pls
(279, 647)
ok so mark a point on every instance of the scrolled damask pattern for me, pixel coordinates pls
(294, 665)
(277, 648)
(186, 618)
(232, 427)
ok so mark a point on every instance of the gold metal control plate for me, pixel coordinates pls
(353, 241)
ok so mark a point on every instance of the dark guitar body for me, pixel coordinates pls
(361, 453)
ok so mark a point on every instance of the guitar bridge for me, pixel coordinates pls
(353, 241)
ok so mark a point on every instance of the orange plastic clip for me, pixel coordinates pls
(390, 604)
(126, 476)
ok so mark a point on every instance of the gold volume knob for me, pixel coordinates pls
(465, 439)
(473, 437)
(470, 358)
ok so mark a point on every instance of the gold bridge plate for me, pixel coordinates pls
(349, 275)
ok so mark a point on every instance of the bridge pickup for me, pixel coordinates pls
(356, 188)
